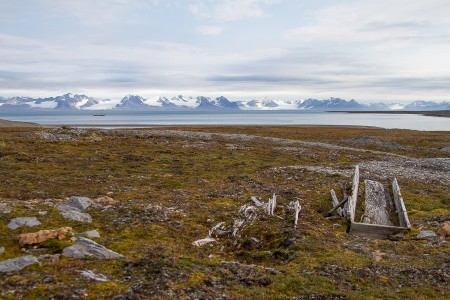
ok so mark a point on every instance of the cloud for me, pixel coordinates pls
(382, 21)
(210, 30)
(229, 10)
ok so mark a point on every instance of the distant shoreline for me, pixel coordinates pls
(6, 123)
(431, 113)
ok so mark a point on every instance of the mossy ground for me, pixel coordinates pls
(199, 183)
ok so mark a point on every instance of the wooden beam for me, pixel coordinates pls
(338, 205)
(352, 199)
(400, 205)
(374, 231)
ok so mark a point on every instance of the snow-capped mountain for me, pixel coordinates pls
(135, 102)
(64, 102)
(428, 105)
(330, 104)
(222, 103)
(268, 104)
(385, 106)
(132, 102)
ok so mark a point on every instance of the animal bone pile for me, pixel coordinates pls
(248, 213)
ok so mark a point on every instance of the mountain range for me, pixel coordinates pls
(135, 102)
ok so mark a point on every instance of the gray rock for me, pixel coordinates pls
(91, 233)
(17, 264)
(2, 250)
(23, 221)
(426, 234)
(72, 213)
(88, 248)
(81, 203)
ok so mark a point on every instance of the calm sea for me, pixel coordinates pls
(149, 118)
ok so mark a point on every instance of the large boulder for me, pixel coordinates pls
(23, 221)
(88, 248)
(43, 235)
(17, 264)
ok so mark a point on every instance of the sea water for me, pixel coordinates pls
(153, 118)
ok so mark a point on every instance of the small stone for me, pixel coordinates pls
(42, 212)
(396, 237)
(43, 235)
(105, 200)
(2, 250)
(81, 203)
(49, 257)
(444, 229)
(88, 248)
(23, 221)
(426, 235)
(378, 256)
(91, 233)
(4, 208)
(17, 264)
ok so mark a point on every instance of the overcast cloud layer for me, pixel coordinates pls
(384, 50)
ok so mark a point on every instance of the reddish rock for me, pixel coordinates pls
(43, 235)
(444, 229)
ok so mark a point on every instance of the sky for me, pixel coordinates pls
(371, 51)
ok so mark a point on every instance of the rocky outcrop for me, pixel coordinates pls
(88, 248)
(43, 235)
(17, 264)
(23, 221)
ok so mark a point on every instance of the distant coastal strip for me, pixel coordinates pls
(433, 113)
(6, 123)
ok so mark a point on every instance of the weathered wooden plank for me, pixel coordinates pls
(352, 200)
(400, 205)
(337, 205)
(376, 206)
(374, 231)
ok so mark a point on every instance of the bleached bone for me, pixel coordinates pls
(257, 202)
(273, 202)
(237, 225)
(204, 241)
(295, 205)
(219, 226)
(249, 212)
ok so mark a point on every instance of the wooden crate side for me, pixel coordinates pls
(353, 197)
(400, 205)
(375, 231)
